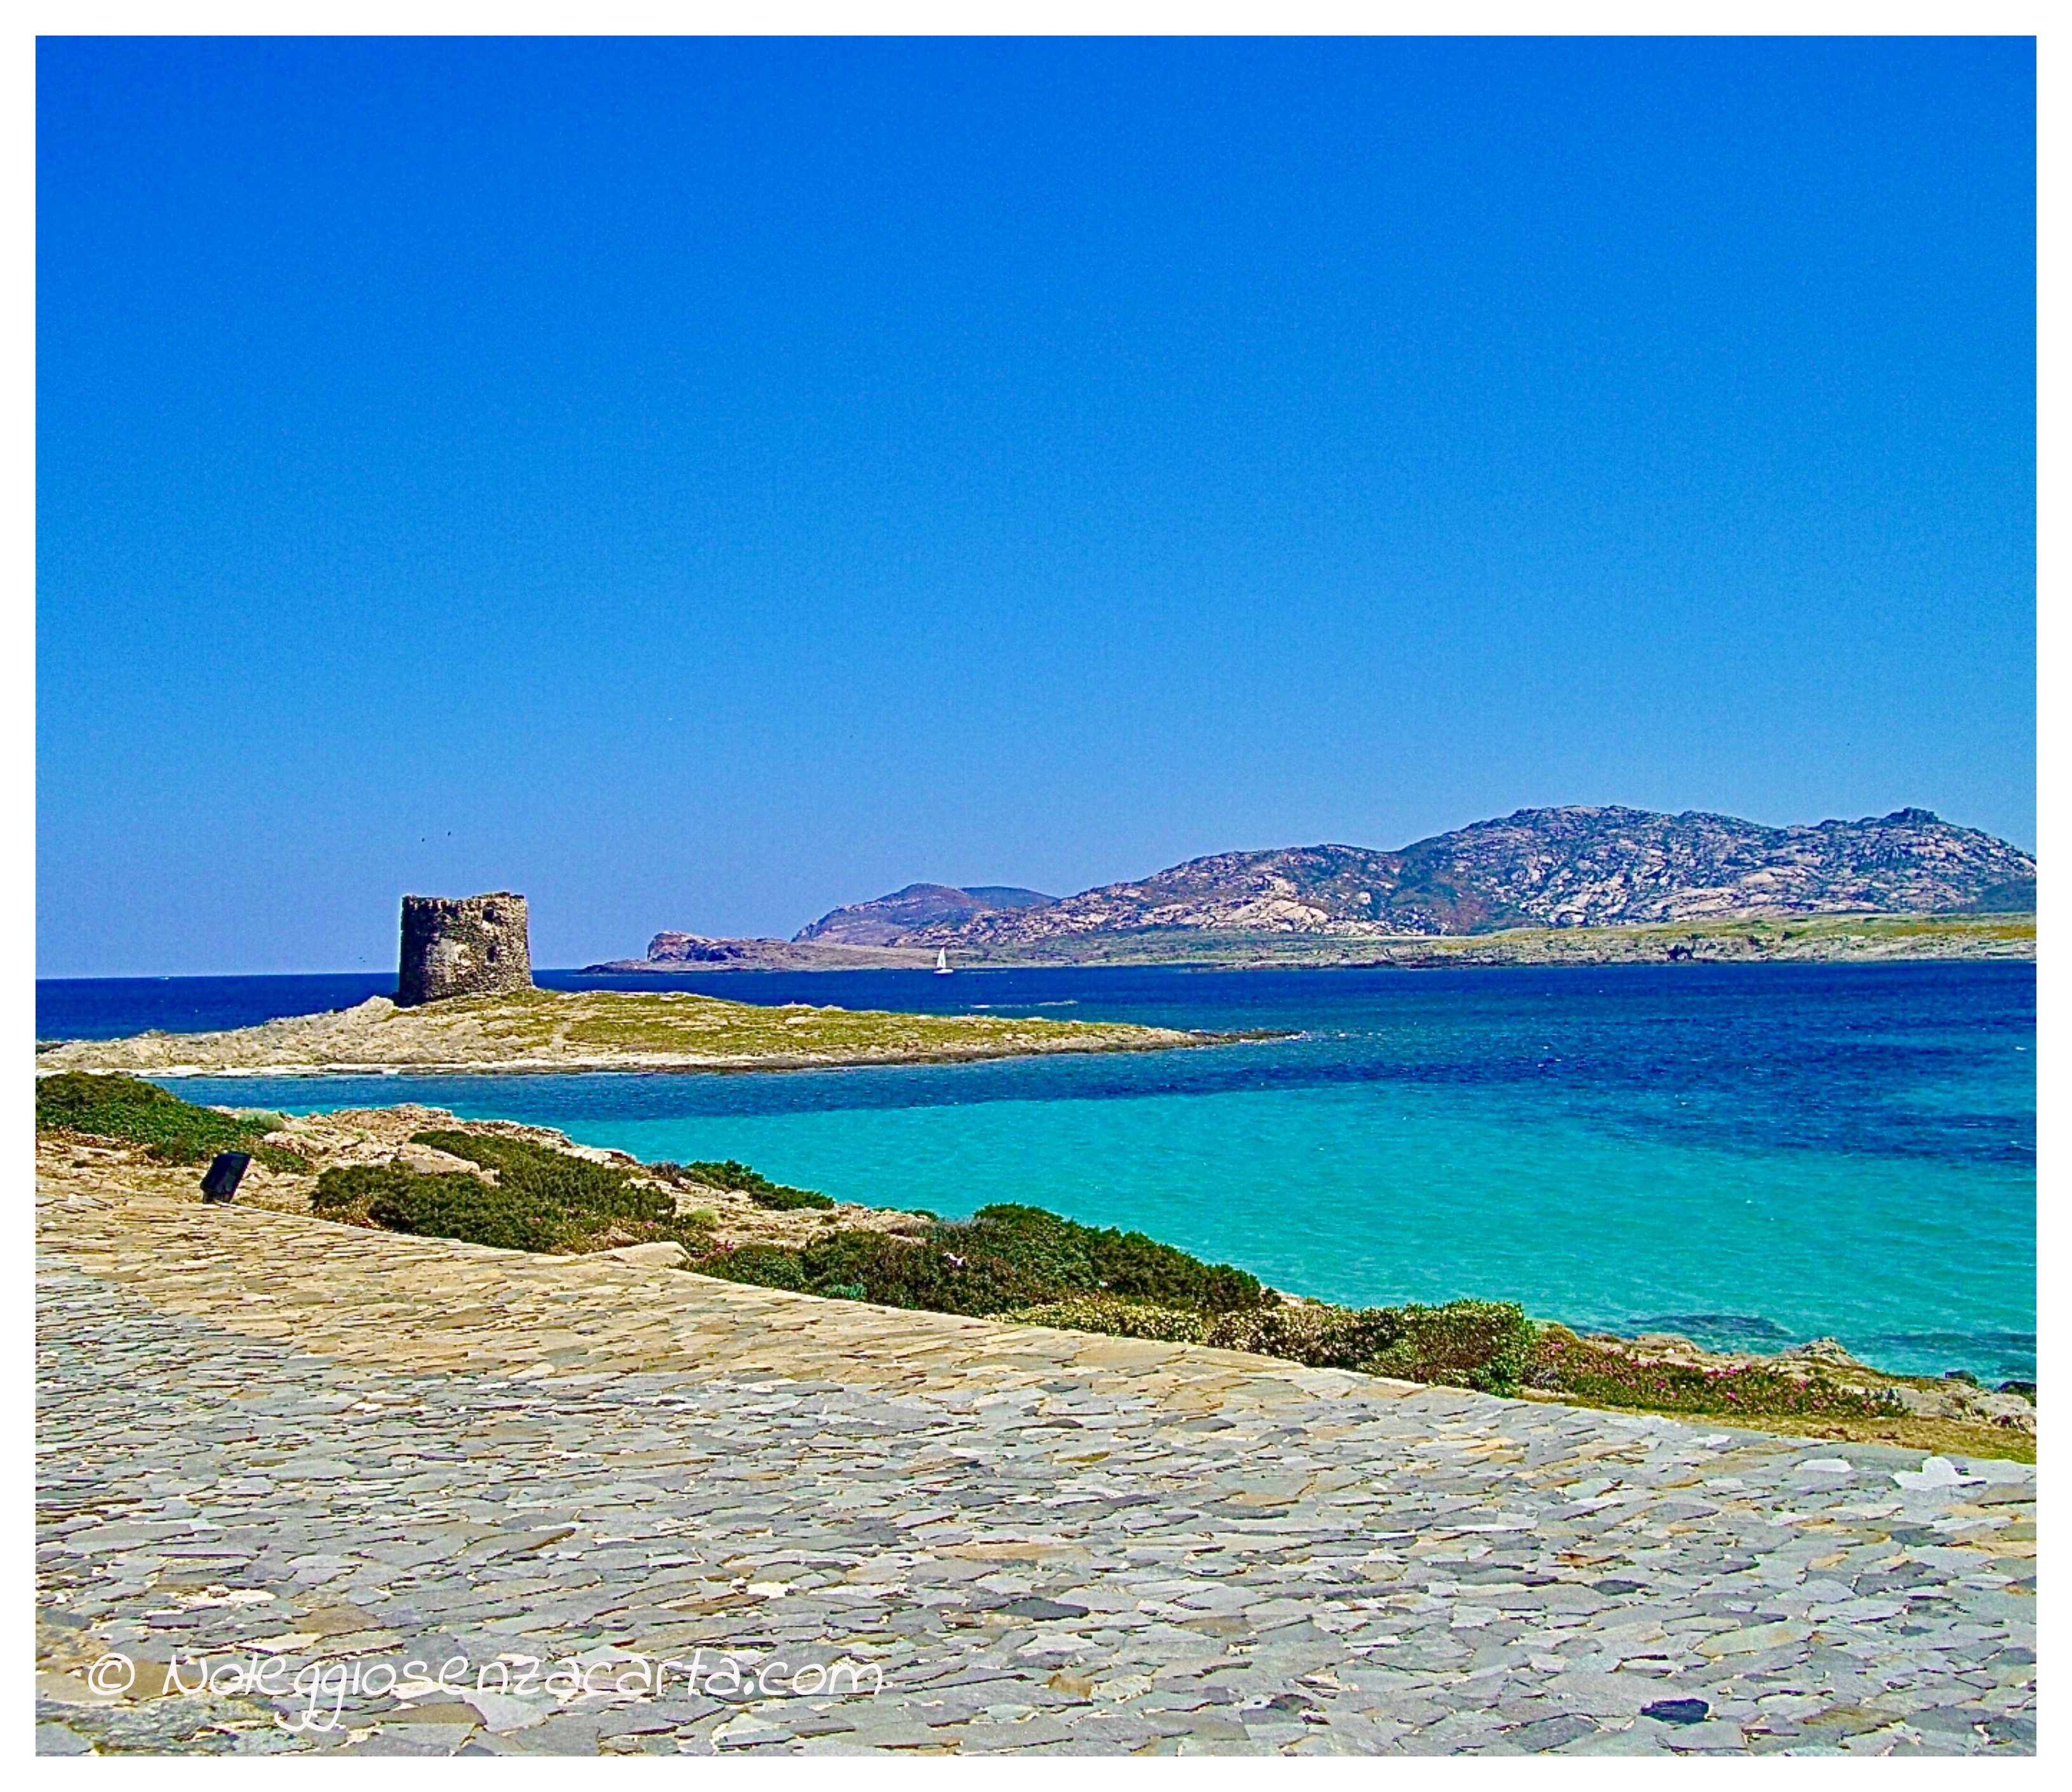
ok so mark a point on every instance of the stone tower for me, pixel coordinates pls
(463, 946)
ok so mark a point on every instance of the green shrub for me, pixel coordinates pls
(758, 1188)
(1322, 1337)
(859, 1265)
(537, 1175)
(1560, 1362)
(279, 1158)
(343, 1191)
(784, 1200)
(1002, 1260)
(1026, 1264)
(1051, 1257)
(457, 1204)
(1479, 1344)
(132, 1111)
(542, 1199)
(922, 1275)
(762, 1265)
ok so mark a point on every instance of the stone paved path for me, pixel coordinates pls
(263, 1440)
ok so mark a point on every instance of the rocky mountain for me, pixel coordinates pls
(1545, 868)
(890, 919)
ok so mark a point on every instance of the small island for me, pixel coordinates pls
(464, 1002)
(552, 1030)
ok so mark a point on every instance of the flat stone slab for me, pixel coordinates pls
(280, 1461)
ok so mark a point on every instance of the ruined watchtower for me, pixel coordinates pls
(463, 946)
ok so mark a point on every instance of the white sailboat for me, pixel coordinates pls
(942, 962)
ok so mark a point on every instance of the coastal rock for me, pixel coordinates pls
(1821, 1350)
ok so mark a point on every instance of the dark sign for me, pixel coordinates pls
(224, 1175)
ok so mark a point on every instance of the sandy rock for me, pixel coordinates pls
(663, 1254)
(1826, 1350)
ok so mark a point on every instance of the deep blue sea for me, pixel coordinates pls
(1752, 1155)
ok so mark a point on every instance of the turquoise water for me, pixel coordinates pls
(1752, 1155)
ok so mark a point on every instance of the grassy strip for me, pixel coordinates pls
(677, 1021)
(132, 1111)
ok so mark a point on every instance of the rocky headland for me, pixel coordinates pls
(889, 920)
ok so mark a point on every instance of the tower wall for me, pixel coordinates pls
(463, 946)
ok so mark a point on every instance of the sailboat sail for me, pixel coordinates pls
(942, 962)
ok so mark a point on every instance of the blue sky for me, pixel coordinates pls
(698, 484)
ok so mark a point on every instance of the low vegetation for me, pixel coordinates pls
(170, 1130)
(738, 1176)
(1599, 1374)
(1003, 1258)
(1103, 1312)
(542, 1199)
(540, 1175)
(1479, 1344)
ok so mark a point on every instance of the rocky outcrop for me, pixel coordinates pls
(1540, 867)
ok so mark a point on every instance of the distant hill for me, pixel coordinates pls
(1540, 867)
(890, 919)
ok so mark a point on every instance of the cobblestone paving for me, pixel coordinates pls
(263, 1440)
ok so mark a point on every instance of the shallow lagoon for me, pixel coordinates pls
(1750, 1154)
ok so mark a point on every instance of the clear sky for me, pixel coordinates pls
(698, 484)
